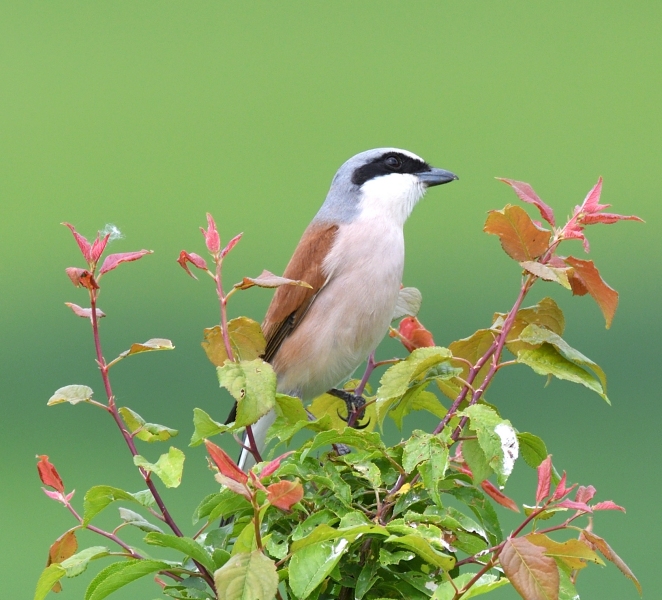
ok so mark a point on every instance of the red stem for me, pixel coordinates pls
(223, 306)
(127, 436)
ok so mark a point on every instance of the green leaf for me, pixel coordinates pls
(558, 275)
(547, 360)
(362, 440)
(48, 578)
(311, 565)
(99, 497)
(76, 564)
(168, 468)
(485, 584)
(119, 574)
(136, 520)
(534, 335)
(247, 577)
(476, 460)
(253, 385)
(147, 432)
(185, 545)
(387, 558)
(73, 394)
(497, 439)
(145, 498)
(323, 532)
(245, 542)
(532, 448)
(422, 548)
(246, 341)
(482, 508)
(205, 427)
(148, 346)
(567, 590)
(220, 504)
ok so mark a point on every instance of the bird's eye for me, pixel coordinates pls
(393, 162)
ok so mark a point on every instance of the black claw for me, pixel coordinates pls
(354, 405)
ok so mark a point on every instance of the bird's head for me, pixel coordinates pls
(384, 182)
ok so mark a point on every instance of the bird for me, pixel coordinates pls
(352, 257)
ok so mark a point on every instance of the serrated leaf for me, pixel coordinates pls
(76, 564)
(532, 449)
(246, 341)
(147, 432)
(587, 278)
(362, 440)
(136, 520)
(573, 553)
(253, 386)
(520, 238)
(324, 532)
(547, 360)
(534, 575)
(168, 468)
(148, 346)
(408, 303)
(424, 549)
(73, 394)
(99, 497)
(48, 579)
(119, 574)
(185, 545)
(205, 427)
(607, 551)
(247, 577)
(311, 565)
(496, 437)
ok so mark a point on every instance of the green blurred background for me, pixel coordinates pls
(146, 115)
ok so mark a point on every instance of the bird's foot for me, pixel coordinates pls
(355, 408)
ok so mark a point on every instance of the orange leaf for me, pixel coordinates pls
(48, 474)
(605, 549)
(590, 279)
(61, 549)
(284, 494)
(498, 496)
(520, 237)
(225, 464)
(534, 575)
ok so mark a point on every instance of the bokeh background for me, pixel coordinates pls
(146, 115)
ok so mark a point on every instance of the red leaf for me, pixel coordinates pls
(584, 494)
(518, 235)
(534, 575)
(589, 277)
(525, 193)
(225, 464)
(273, 465)
(195, 259)
(235, 486)
(595, 541)
(113, 260)
(82, 278)
(544, 479)
(256, 482)
(48, 474)
(212, 239)
(86, 313)
(284, 494)
(493, 492)
(98, 247)
(571, 504)
(231, 244)
(560, 490)
(62, 548)
(83, 244)
(608, 218)
(591, 202)
(607, 505)
(413, 334)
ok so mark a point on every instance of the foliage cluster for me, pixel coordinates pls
(345, 515)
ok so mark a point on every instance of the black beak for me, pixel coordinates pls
(436, 177)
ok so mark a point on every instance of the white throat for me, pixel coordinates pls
(392, 196)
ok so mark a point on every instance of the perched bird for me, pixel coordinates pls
(352, 254)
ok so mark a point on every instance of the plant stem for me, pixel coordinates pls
(369, 368)
(127, 436)
(223, 306)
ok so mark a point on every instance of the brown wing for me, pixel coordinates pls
(290, 303)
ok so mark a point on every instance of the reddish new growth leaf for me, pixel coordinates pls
(83, 244)
(212, 238)
(585, 278)
(86, 313)
(195, 259)
(584, 494)
(500, 498)
(607, 505)
(572, 505)
(98, 247)
(525, 193)
(231, 244)
(271, 467)
(112, 261)
(590, 213)
(48, 474)
(413, 334)
(256, 482)
(596, 542)
(284, 494)
(544, 479)
(561, 489)
(225, 464)
(82, 278)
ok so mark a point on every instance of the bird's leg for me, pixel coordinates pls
(355, 410)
